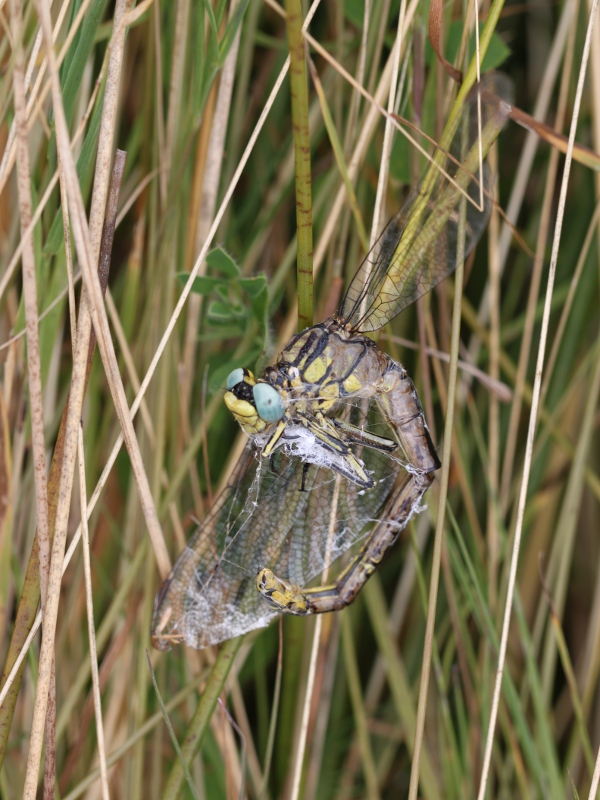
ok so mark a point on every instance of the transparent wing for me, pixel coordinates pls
(264, 519)
(418, 247)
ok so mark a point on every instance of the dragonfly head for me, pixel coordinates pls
(255, 404)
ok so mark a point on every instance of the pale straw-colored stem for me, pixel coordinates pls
(534, 409)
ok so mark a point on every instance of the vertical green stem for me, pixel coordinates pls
(358, 706)
(201, 719)
(299, 94)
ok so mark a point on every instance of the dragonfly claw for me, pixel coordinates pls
(280, 594)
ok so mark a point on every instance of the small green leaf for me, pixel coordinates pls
(225, 313)
(221, 261)
(231, 30)
(203, 284)
(254, 286)
(223, 291)
(218, 313)
(237, 310)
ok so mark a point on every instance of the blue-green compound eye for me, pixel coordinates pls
(268, 402)
(235, 377)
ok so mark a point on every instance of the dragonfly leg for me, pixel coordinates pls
(274, 438)
(348, 465)
(293, 600)
(360, 436)
(399, 402)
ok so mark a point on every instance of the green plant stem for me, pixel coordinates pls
(398, 681)
(299, 95)
(360, 715)
(201, 719)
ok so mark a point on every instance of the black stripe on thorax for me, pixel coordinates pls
(305, 351)
(342, 378)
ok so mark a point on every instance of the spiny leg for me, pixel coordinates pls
(366, 438)
(305, 468)
(327, 435)
(294, 600)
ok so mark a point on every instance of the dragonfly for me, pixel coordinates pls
(339, 453)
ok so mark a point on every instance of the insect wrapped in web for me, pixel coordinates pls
(293, 517)
(300, 413)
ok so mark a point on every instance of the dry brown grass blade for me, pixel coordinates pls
(6, 500)
(30, 595)
(584, 155)
(31, 305)
(92, 305)
(34, 370)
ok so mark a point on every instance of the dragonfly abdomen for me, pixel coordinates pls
(398, 399)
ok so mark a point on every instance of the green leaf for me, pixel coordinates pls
(220, 313)
(260, 309)
(203, 284)
(496, 55)
(223, 291)
(231, 30)
(221, 261)
(253, 286)
(80, 55)
(211, 19)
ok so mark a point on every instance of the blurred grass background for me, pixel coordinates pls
(193, 81)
